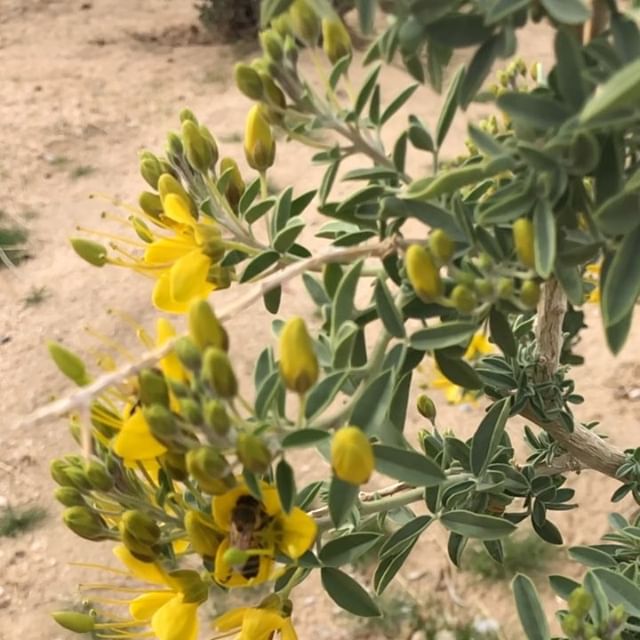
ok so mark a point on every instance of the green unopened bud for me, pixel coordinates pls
(92, 252)
(141, 526)
(219, 276)
(298, 361)
(441, 245)
(69, 497)
(426, 407)
(150, 168)
(253, 453)
(179, 389)
(272, 92)
(484, 288)
(530, 294)
(200, 148)
(259, 145)
(68, 363)
(235, 186)
(98, 476)
(272, 44)
(216, 417)
(202, 533)
(618, 615)
(248, 81)
(524, 240)
(213, 245)
(188, 354)
(85, 523)
(210, 469)
(78, 478)
(571, 625)
(186, 115)
(174, 145)
(304, 22)
(75, 621)
(142, 230)
(281, 25)
(205, 328)
(175, 464)
(579, 602)
(336, 41)
(464, 299)
(291, 50)
(190, 410)
(218, 372)
(153, 387)
(151, 204)
(504, 288)
(423, 273)
(140, 550)
(58, 470)
(162, 423)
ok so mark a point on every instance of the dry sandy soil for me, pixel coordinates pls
(83, 86)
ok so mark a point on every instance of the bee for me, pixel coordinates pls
(248, 520)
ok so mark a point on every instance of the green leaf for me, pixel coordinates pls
(371, 408)
(288, 235)
(366, 15)
(388, 568)
(459, 30)
(340, 68)
(530, 611)
(567, 11)
(569, 67)
(447, 334)
(315, 290)
(282, 211)
(259, 264)
(347, 593)
(571, 281)
(327, 181)
(370, 173)
(488, 435)
(533, 110)
(286, 484)
(619, 215)
(367, 89)
(563, 586)
(500, 9)
(476, 525)
(478, 70)
(591, 557)
(620, 590)
(272, 299)
(544, 231)
(301, 202)
(267, 393)
(269, 9)
(342, 497)
(485, 141)
(387, 310)
(304, 437)
(506, 208)
(398, 102)
(622, 284)
(405, 535)
(346, 549)
(457, 371)
(345, 293)
(322, 395)
(449, 108)
(501, 332)
(407, 466)
(249, 196)
(617, 334)
(258, 210)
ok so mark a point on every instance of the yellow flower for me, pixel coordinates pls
(256, 531)
(256, 624)
(352, 455)
(135, 441)
(592, 277)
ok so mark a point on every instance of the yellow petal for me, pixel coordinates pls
(188, 277)
(299, 532)
(145, 571)
(180, 546)
(177, 209)
(270, 500)
(162, 299)
(170, 364)
(259, 624)
(167, 250)
(135, 442)
(144, 606)
(176, 620)
(288, 632)
(230, 620)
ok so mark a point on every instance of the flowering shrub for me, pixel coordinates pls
(195, 483)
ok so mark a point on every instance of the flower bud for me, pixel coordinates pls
(92, 252)
(530, 294)
(140, 526)
(352, 455)
(441, 246)
(58, 471)
(186, 115)
(281, 24)
(335, 39)
(151, 204)
(68, 363)
(484, 287)
(291, 50)
(304, 22)
(235, 186)
(153, 387)
(271, 42)
(464, 299)
(174, 146)
(190, 410)
(259, 146)
(423, 274)
(427, 408)
(253, 453)
(150, 168)
(504, 288)
(75, 621)
(248, 81)
(200, 148)
(162, 424)
(274, 97)
(523, 240)
(218, 372)
(85, 523)
(220, 277)
(210, 470)
(69, 497)
(205, 328)
(175, 464)
(98, 476)
(202, 533)
(168, 184)
(78, 479)
(571, 625)
(188, 354)
(216, 417)
(298, 361)
(579, 602)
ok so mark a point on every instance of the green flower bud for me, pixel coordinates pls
(272, 44)
(441, 245)
(218, 372)
(175, 464)
(78, 479)
(235, 186)
(174, 145)
(291, 50)
(427, 408)
(139, 528)
(98, 476)
(253, 453)
(530, 294)
(423, 273)
(464, 299)
(58, 471)
(248, 81)
(186, 115)
(191, 586)
(216, 417)
(150, 168)
(484, 288)
(188, 354)
(571, 625)
(69, 497)
(352, 455)
(168, 184)
(85, 523)
(205, 328)
(202, 533)
(281, 25)
(523, 240)
(201, 153)
(336, 41)
(142, 230)
(179, 389)
(618, 615)
(210, 470)
(273, 94)
(153, 387)
(504, 288)
(220, 277)
(212, 244)
(580, 601)
(190, 410)
(162, 423)
(304, 22)
(298, 361)
(259, 145)
(74, 621)
(68, 363)
(92, 252)
(151, 204)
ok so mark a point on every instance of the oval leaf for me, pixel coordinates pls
(447, 334)
(348, 594)
(346, 549)
(477, 525)
(407, 466)
(530, 612)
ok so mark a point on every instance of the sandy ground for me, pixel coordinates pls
(83, 87)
